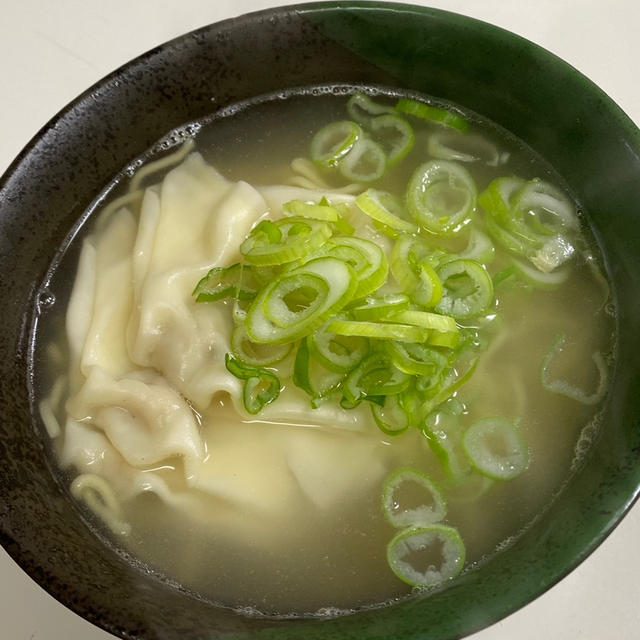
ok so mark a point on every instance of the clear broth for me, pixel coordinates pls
(304, 559)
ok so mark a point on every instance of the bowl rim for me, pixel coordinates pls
(21, 556)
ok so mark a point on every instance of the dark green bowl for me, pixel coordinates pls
(528, 91)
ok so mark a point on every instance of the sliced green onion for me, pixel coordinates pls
(362, 108)
(412, 265)
(259, 391)
(539, 278)
(391, 417)
(406, 253)
(274, 243)
(468, 289)
(441, 197)
(257, 355)
(496, 449)
(479, 247)
(532, 219)
(324, 284)
(505, 238)
(295, 298)
(365, 162)
(395, 135)
(445, 385)
(378, 308)
(261, 386)
(225, 282)
(505, 276)
(429, 383)
(438, 547)
(566, 388)
(267, 273)
(443, 432)
(427, 320)
(335, 352)
(470, 488)
(375, 376)
(415, 359)
(312, 377)
(444, 330)
(379, 330)
(448, 340)
(411, 499)
(549, 206)
(430, 388)
(431, 113)
(497, 198)
(451, 145)
(553, 253)
(333, 142)
(367, 259)
(428, 291)
(311, 210)
(386, 209)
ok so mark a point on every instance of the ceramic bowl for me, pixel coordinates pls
(533, 94)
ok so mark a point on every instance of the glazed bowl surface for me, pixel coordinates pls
(514, 83)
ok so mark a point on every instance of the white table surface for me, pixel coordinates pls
(51, 50)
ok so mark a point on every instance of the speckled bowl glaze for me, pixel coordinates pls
(509, 80)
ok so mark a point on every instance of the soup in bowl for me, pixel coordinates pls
(308, 384)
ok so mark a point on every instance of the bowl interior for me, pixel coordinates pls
(525, 89)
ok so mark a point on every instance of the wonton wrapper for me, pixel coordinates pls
(144, 355)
